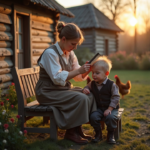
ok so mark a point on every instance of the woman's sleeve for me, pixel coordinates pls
(50, 62)
(76, 66)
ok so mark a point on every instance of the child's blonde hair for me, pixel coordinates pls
(104, 62)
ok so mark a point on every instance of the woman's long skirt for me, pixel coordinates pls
(71, 108)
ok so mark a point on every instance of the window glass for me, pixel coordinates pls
(20, 41)
(20, 27)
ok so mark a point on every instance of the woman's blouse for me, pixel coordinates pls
(50, 62)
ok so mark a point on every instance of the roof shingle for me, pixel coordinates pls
(54, 6)
(88, 16)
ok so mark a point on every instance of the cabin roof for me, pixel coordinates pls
(54, 6)
(88, 16)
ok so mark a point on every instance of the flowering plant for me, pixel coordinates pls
(12, 96)
(10, 135)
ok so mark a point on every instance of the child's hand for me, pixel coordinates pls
(107, 112)
(86, 91)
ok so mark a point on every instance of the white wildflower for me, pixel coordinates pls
(5, 149)
(20, 132)
(6, 131)
(0, 123)
(3, 113)
(4, 141)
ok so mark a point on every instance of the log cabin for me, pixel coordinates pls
(27, 27)
(100, 33)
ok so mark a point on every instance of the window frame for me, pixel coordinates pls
(26, 38)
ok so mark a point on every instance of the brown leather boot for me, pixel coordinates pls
(80, 132)
(71, 134)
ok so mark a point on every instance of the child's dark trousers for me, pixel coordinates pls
(110, 120)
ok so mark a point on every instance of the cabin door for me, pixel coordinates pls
(23, 54)
(106, 47)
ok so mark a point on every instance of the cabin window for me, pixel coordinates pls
(23, 42)
(19, 45)
(106, 47)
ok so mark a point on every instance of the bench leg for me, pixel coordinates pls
(120, 125)
(102, 125)
(116, 134)
(53, 127)
(22, 123)
(45, 120)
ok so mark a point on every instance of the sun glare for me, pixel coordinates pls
(133, 21)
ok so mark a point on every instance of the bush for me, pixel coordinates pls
(121, 60)
(145, 62)
(10, 135)
(83, 55)
(131, 62)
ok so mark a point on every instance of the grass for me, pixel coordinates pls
(134, 120)
(140, 110)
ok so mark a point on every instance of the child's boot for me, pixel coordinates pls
(98, 135)
(110, 137)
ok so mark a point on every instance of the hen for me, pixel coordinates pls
(123, 88)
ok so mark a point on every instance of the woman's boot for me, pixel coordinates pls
(71, 134)
(80, 132)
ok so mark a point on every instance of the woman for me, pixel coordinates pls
(58, 64)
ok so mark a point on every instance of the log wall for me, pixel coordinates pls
(43, 35)
(43, 29)
(88, 40)
(101, 36)
(6, 51)
(95, 41)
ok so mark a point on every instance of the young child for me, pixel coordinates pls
(107, 97)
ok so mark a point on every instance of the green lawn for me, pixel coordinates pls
(135, 120)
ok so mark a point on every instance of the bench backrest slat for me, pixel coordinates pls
(28, 85)
(35, 77)
(26, 79)
(30, 82)
(25, 87)
(33, 80)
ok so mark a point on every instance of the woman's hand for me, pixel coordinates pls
(76, 72)
(84, 68)
(86, 91)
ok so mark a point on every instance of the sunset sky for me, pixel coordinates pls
(126, 19)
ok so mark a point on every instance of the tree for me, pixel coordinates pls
(146, 20)
(146, 17)
(113, 8)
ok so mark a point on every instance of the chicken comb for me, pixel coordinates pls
(115, 76)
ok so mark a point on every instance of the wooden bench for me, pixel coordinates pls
(25, 82)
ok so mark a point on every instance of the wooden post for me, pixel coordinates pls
(116, 134)
(53, 127)
(120, 125)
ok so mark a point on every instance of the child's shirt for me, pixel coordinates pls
(115, 96)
